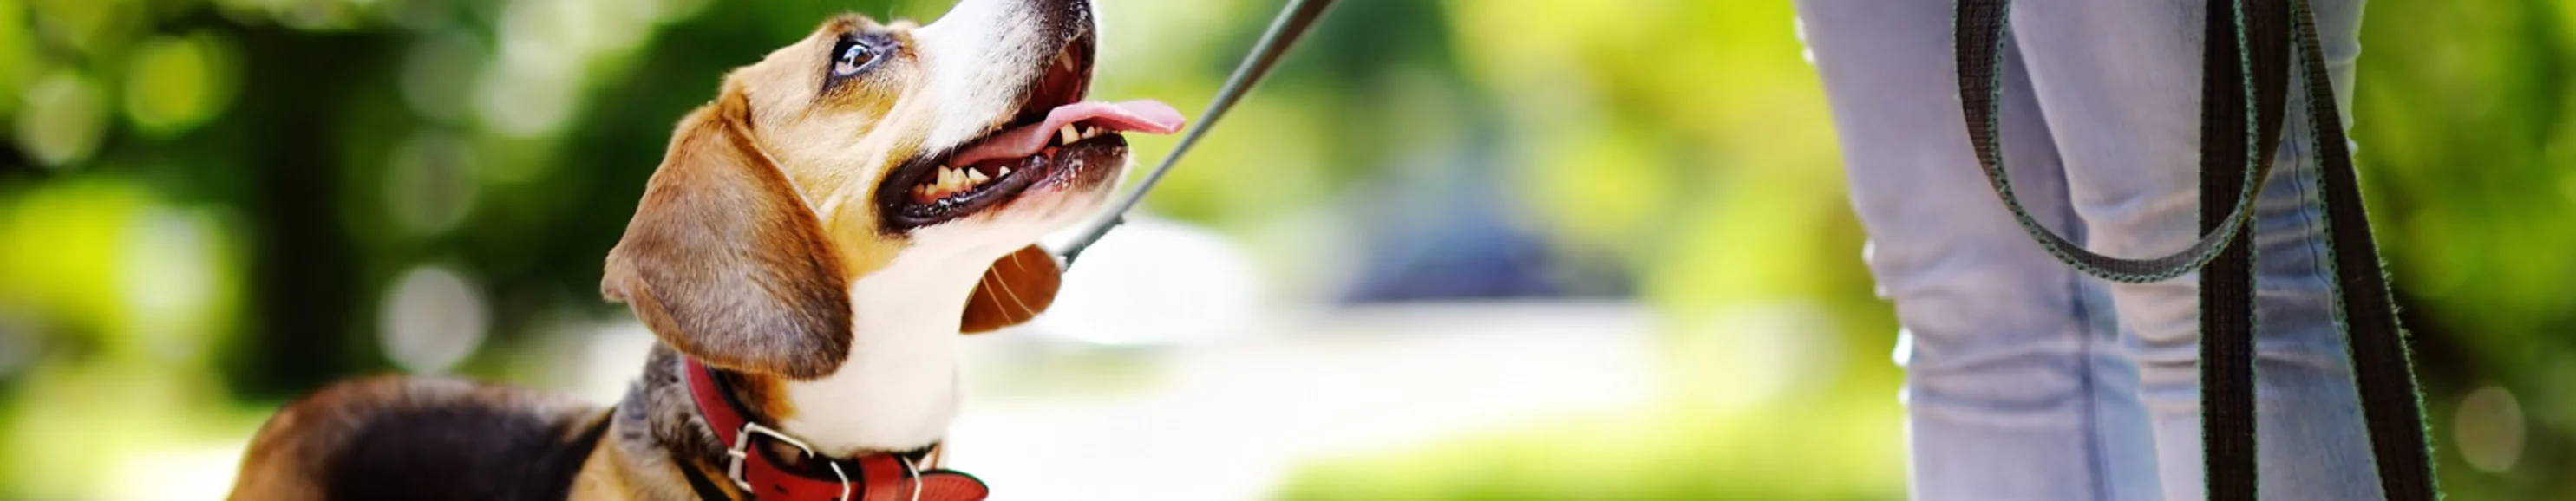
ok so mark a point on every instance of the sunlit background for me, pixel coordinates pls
(1523, 249)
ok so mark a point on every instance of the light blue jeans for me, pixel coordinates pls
(2025, 379)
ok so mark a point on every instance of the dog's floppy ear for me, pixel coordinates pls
(725, 262)
(1017, 288)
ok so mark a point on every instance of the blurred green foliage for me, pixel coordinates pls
(204, 202)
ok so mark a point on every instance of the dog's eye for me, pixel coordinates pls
(850, 56)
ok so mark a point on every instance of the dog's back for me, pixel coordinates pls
(393, 438)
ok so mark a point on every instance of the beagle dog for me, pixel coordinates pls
(808, 253)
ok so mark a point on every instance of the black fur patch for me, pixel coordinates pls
(461, 449)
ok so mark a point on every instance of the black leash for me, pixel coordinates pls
(1293, 22)
(2251, 58)
(2249, 43)
(2383, 368)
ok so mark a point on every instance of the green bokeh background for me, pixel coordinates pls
(203, 201)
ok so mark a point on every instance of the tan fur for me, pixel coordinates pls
(725, 263)
(613, 475)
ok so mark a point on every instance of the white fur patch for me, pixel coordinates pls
(898, 390)
(977, 56)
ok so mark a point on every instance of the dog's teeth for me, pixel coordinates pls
(977, 176)
(1004, 172)
(1069, 135)
(1090, 132)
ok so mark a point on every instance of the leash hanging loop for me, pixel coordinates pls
(1981, 29)
(1292, 23)
(2249, 45)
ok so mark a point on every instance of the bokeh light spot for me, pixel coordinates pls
(170, 275)
(173, 84)
(439, 75)
(430, 185)
(85, 25)
(2488, 427)
(431, 319)
(63, 119)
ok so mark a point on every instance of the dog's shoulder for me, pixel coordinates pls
(394, 438)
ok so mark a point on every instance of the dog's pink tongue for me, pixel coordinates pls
(1142, 115)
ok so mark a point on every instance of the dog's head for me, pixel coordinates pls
(935, 153)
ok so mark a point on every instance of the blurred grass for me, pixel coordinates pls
(1758, 403)
(1828, 448)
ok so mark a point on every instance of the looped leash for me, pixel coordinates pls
(1982, 27)
(1292, 23)
(2248, 46)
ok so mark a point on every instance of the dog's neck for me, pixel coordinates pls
(898, 390)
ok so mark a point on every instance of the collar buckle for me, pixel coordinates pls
(741, 452)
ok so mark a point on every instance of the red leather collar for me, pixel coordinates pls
(874, 477)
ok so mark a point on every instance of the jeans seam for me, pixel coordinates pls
(2314, 233)
(2096, 458)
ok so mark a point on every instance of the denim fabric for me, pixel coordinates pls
(2025, 379)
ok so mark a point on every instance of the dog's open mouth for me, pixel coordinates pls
(1054, 128)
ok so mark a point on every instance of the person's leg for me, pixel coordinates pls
(2119, 83)
(2014, 388)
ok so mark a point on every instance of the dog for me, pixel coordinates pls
(808, 254)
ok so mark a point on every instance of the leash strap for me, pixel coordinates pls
(2248, 42)
(2239, 48)
(2383, 368)
(1292, 23)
